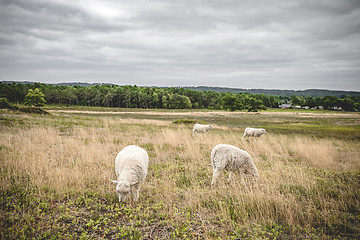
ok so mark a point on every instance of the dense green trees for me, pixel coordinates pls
(171, 98)
(231, 102)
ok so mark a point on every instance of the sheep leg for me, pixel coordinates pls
(122, 198)
(242, 173)
(135, 193)
(229, 177)
(215, 176)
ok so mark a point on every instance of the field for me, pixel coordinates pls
(55, 171)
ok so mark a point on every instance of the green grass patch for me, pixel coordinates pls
(317, 130)
(289, 110)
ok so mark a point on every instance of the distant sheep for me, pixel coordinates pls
(254, 132)
(131, 166)
(230, 158)
(201, 128)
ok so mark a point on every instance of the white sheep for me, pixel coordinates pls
(131, 166)
(230, 158)
(201, 128)
(253, 132)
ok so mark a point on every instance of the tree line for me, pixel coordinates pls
(165, 98)
(281, 92)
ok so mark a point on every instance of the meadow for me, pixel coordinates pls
(55, 171)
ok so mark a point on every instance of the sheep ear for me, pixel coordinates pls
(134, 184)
(114, 181)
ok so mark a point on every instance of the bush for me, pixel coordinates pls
(4, 104)
(35, 110)
(185, 121)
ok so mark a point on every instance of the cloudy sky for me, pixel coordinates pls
(230, 43)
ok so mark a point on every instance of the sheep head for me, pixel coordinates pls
(252, 174)
(123, 188)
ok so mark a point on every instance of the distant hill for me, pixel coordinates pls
(276, 92)
(62, 84)
(82, 84)
(286, 93)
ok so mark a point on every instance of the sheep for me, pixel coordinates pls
(233, 159)
(253, 132)
(131, 165)
(201, 128)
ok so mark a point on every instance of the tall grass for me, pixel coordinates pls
(300, 177)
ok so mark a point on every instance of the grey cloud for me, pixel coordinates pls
(250, 44)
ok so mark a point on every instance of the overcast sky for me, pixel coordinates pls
(230, 43)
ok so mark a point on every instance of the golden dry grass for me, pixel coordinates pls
(81, 158)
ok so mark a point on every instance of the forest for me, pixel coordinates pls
(168, 98)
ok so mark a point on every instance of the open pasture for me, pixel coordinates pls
(55, 172)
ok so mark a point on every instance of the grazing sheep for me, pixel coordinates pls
(231, 158)
(254, 132)
(201, 128)
(131, 166)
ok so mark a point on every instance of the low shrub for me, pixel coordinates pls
(33, 109)
(4, 104)
(185, 121)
